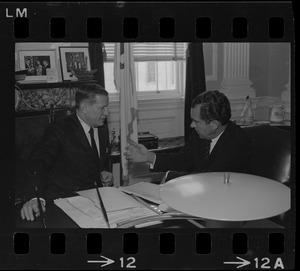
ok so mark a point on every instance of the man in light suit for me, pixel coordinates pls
(228, 148)
(64, 161)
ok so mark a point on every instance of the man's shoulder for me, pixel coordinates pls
(235, 131)
(234, 127)
(66, 121)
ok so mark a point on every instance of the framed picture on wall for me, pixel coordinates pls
(73, 59)
(36, 63)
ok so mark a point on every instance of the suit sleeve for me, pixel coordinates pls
(181, 161)
(104, 141)
(41, 159)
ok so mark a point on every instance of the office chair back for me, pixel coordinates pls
(271, 158)
(271, 152)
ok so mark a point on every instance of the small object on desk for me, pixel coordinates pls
(277, 112)
(165, 177)
(150, 141)
(40, 207)
(226, 178)
(102, 205)
(262, 122)
(114, 142)
(247, 114)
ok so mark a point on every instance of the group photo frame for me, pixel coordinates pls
(73, 59)
(36, 62)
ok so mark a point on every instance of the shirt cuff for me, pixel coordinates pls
(151, 165)
(41, 200)
(165, 177)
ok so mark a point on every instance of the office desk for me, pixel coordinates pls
(57, 219)
(54, 216)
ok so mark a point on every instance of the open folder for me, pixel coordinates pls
(85, 209)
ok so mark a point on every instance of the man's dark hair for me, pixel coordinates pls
(214, 106)
(88, 92)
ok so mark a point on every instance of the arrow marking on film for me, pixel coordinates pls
(107, 261)
(241, 264)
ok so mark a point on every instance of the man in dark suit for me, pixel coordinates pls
(216, 144)
(45, 66)
(66, 160)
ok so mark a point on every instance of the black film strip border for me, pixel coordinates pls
(181, 21)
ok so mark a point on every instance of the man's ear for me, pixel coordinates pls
(83, 107)
(215, 124)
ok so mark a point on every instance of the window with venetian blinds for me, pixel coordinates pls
(147, 51)
(159, 66)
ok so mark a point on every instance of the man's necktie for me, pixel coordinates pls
(94, 147)
(207, 149)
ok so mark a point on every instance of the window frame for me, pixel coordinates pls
(149, 73)
(178, 92)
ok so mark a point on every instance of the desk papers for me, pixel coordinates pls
(85, 209)
(148, 191)
(112, 197)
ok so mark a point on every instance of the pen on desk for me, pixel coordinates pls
(102, 205)
(40, 207)
(146, 204)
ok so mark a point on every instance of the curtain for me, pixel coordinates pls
(124, 76)
(96, 59)
(195, 81)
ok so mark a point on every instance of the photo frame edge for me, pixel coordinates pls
(62, 56)
(22, 54)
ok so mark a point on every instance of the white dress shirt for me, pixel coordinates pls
(214, 142)
(86, 129)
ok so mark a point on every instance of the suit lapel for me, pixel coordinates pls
(220, 145)
(102, 145)
(79, 132)
(102, 137)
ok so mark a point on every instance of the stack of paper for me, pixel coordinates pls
(85, 209)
